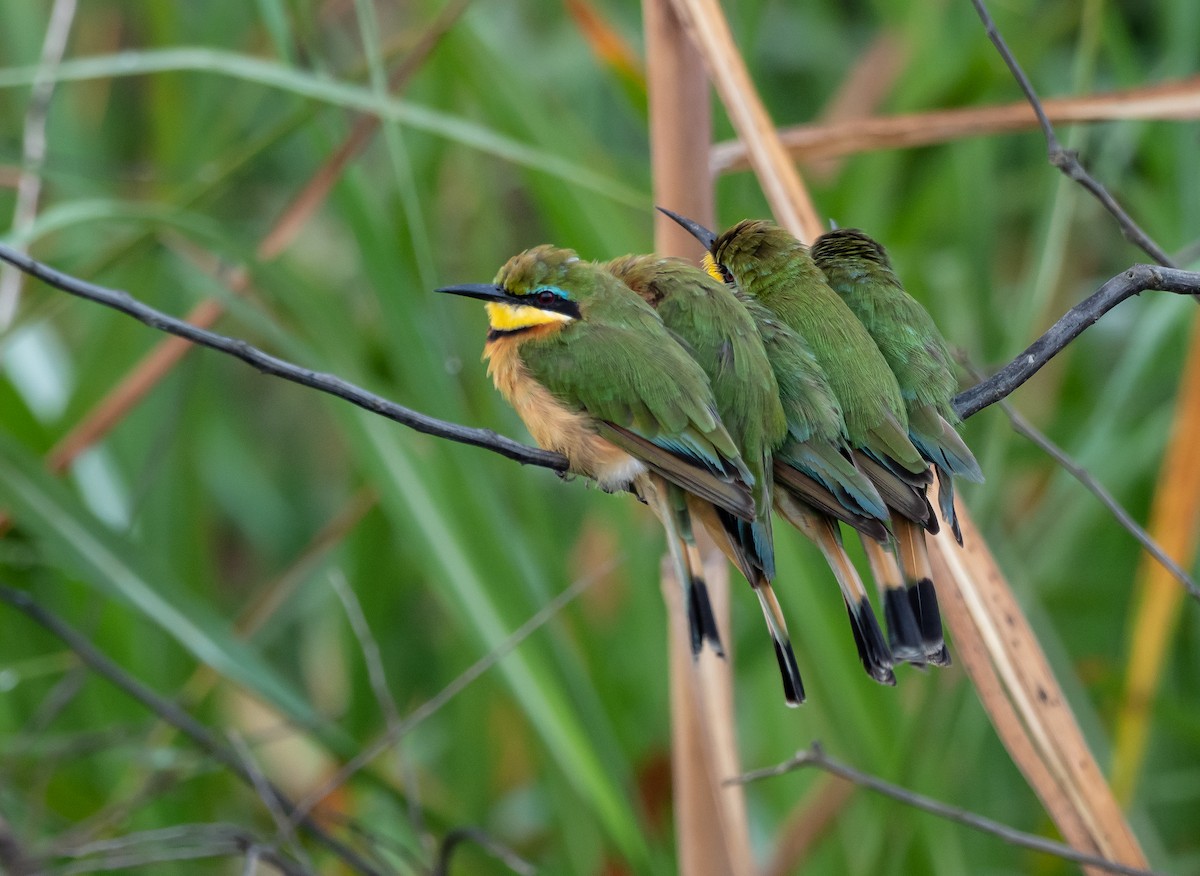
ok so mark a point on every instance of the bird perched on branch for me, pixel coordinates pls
(774, 268)
(721, 337)
(790, 430)
(859, 270)
(597, 377)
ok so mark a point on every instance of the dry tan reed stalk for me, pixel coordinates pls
(1026, 705)
(1175, 101)
(712, 833)
(786, 193)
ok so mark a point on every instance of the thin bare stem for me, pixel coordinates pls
(1139, 278)
(502, 853)
(1067, 160)
(368, 646)
(815, 756)
(181, 842)
(262, 787)
(1026, 429)
(29, 184)
(168, 711)
(453, 689)
(122, 301)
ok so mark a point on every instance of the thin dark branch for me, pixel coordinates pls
(262, 787)
(1139, 278)
(268, 364)
(1064, 460)
(1067, 160)
(472, 672)
(173, 715)
(460, 835)
(13, 858)
(176, 843)
(815, 756)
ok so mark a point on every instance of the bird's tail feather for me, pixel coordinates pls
(904, 630)
(793, 685)
(670, 506)
(725, 537)
(873, 649)
(918, 579)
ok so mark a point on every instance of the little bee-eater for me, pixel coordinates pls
(773, 267)
(816, 482)
(721, 337)
(595, 375)
(859, 270)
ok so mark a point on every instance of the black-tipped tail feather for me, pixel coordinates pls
(873, 651)
(702, 622)
(923, 599)
(904, 631)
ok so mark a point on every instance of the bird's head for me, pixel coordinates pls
(848, 243)
(542, 286)
(736, 255)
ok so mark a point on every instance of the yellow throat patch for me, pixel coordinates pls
(510, 317)
(710, 265)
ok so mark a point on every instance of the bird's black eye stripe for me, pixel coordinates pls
(725, 274)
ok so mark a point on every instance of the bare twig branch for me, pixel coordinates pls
(379, 686)
(368, 646)
(1139, 278)
(815, 756)
(262, 787)
(460, 835)
(177, 843)
(1026, 429)
(433, 704)
(29, 185)
(1067, 160)
(171, 713)
(122, 301)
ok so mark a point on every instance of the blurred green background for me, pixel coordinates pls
(174, 150)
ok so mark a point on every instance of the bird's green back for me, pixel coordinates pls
(769, 264)
(722, 338)
(857, 269)
(618, 362)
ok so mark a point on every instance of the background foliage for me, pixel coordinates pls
(214, 489)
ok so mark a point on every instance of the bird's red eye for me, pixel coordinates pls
(546, 298)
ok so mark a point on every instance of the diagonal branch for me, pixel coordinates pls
(1138, 278)
(1067, 160)
(268, 364)
(815, 756)
(168, 711)
(1064, 461)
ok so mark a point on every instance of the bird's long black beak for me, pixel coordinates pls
(482, 291)
(693, 228)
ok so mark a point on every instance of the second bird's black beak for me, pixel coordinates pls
(482, 291)
(698, 231)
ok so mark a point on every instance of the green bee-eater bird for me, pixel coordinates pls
(743, 348)
(596, 376)
(720, 333)
(859, 270)
(817, 482)
(770, 265)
